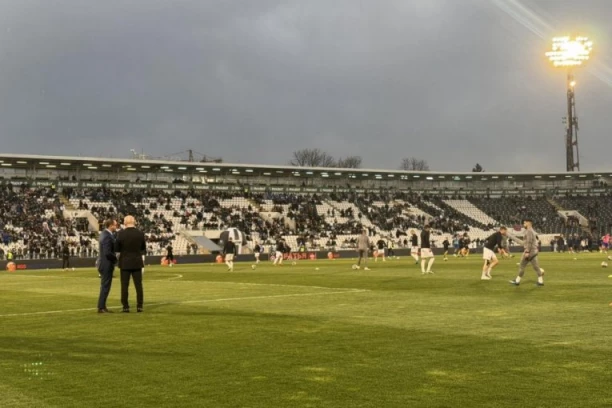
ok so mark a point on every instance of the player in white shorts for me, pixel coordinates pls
(414, 246)
(257, 252)
(495, 241)
(280, 248)
(380, 250)
(427, 256)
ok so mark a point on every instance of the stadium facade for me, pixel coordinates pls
(90, 172)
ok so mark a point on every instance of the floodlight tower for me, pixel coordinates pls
(570, 53)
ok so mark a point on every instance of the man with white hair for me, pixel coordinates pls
(131, 246)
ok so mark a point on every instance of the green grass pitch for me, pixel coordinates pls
(300, 337)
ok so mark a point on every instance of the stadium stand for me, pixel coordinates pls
(30, 217)
(36, 222)
(597, 210)
(511, 211)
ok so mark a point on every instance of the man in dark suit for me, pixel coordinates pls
(106, 262)
(131, 246)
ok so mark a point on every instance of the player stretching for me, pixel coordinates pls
(363, 245)
(488, 252)
(427, 256)
(530, 255)
(414, 249)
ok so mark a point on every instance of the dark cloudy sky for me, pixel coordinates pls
(452, 81)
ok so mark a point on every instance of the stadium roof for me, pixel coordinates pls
(180, 168)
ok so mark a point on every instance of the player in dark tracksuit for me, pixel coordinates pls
(170, 255)
(446, 245)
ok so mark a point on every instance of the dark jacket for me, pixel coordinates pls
(107, 259)
(131, 246)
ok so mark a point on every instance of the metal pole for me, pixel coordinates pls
(571, 139)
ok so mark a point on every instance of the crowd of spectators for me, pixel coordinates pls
(32, 224)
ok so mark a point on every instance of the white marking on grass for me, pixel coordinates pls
(188, 302)
(176, 278)
(43, 278)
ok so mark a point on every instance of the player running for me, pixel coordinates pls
(530, 255)
(446, 244)
(465, 245)
(229, 251)
(257, 250)
(456, 245)
(427, 256)
(280, 250)
(605, 243)
(414, 246)
(488, 252)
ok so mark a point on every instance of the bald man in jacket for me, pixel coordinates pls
(131, 246)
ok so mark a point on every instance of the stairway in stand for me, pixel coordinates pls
(555, 204)
(560, 209)
(67, 204)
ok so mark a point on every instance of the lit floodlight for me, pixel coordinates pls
(570, 52)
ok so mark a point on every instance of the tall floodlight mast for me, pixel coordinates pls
(570, 53)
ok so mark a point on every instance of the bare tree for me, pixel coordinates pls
(350, 162)
(312, 158)
(414, 164)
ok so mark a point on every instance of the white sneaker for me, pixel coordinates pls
(430, 272)
(485, 277)
(366, 269)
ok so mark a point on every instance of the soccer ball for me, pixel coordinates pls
(354, 267)
(253, 266)
(316, 269)
(294, 263)
(604, 264)
(397, 257)
(609, 258)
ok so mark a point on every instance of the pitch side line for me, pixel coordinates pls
(187, 302)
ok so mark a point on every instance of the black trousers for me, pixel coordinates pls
(65, 263)
(106, 282)
(136, 275)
